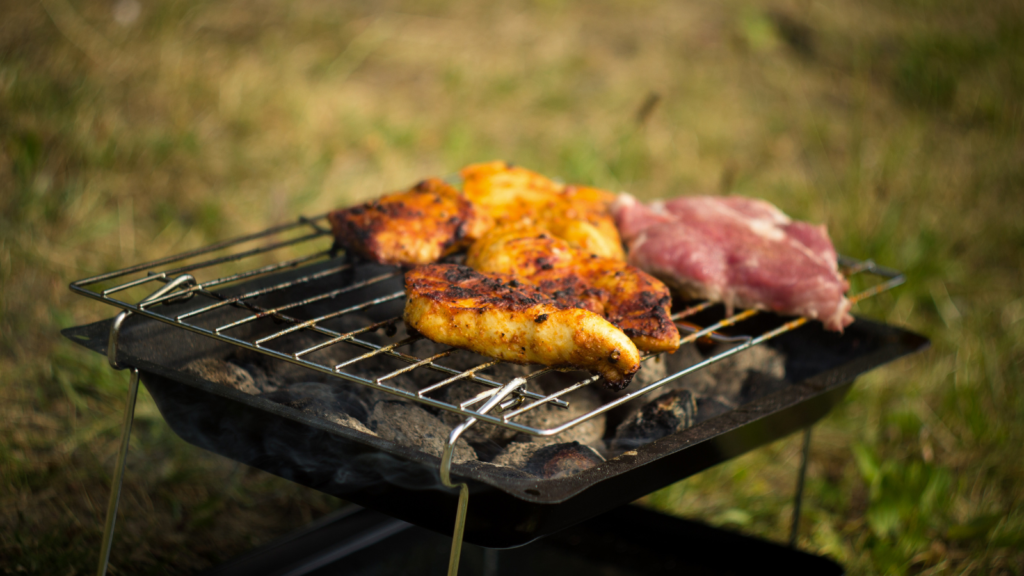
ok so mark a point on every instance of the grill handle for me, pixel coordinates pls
(446, 470)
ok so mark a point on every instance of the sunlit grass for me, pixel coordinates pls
(898, 125)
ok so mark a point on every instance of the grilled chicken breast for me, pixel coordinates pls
(498, 316)
(417, 226)
(577, 214)
(629, 298)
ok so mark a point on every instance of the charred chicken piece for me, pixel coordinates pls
(577, 214)
(417, 226)
(629, 298)
(497, 315)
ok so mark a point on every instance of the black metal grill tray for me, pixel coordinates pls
(506, 509)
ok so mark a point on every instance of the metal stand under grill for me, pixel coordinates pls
(209, 292)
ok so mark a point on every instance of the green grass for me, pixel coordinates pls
(901, 126)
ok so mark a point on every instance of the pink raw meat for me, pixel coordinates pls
(740, 251)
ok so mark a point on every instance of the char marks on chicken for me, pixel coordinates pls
(740, 251)
(417, 226)
(498, 316)
(628, 297)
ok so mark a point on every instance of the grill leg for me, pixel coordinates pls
(460, 527)
(798, 498)
(115, 488)
(460, 512)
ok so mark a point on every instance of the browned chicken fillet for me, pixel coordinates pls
(417, 226)
(629, 298)
(576, 214)
(496, 315)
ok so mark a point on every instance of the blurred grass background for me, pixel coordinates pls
(131, 130)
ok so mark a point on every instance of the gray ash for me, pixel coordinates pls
(516, 454)
(228, 374)
(409, 425)
(559, 460)
(328, 401)
(733, 375)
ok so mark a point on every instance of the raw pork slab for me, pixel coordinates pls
(740, 251)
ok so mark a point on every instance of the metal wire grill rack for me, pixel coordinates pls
(205, 273)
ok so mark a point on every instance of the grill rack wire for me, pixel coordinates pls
(180, 283)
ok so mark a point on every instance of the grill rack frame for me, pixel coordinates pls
(178, 283)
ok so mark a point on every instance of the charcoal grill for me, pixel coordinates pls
(259, 292)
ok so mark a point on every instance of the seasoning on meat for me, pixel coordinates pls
(577, 214)
(629, 298)
(495, 315)
(740, 251)
(417, 226)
